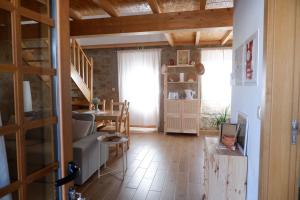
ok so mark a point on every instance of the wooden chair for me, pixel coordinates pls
(102, 108)
(113, 127)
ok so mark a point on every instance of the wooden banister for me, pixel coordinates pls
(83, 67)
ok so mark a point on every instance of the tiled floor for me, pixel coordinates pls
(159, 167)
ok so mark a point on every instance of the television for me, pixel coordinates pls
(241, 139)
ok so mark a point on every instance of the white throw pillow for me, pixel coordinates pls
(80, 128)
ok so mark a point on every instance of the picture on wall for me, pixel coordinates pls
(250, 53)
(238, 66)
(183, 57)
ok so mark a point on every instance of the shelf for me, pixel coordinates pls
(181, 66)
(186, 82)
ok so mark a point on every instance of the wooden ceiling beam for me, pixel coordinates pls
(170, 39)
(164, 22)
(212, 43)
(75, 15)
(125, 45)
(107, 7)
(202, 4)
(154, 6)
(226, 37)
(156, 9)
(197, 38)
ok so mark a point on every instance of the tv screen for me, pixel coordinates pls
(242, 133)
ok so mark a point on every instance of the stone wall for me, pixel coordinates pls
(106, 75)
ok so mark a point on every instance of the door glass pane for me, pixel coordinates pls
(5, 38)
(8, 159)
(11, 196)
(43, 188)
(39, 148)
(37, 97)
(35, 43)
(39, 6)
(7, 104)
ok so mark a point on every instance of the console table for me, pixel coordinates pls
(225, 172)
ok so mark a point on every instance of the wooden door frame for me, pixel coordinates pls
(64, 88)
(281, 75)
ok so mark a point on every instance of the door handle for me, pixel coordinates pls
(73, 172)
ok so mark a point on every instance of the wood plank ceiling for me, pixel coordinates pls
(90, 9)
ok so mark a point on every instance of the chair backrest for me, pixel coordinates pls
(126, 109)
(83, 124)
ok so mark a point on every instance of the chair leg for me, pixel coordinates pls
(117, 149)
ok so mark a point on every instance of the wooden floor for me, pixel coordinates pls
(159, 167)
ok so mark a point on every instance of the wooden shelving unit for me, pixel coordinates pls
(181, 115)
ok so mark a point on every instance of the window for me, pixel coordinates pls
(216, 88)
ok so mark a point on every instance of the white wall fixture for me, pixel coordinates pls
(27, 96)
(4, 178)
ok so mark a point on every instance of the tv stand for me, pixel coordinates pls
(225, 172)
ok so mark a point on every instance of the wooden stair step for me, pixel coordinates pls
(33, 48)
(78, 102)
(38, 60)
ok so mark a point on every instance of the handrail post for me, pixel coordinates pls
(92, 78)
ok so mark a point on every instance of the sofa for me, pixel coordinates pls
(86, 147)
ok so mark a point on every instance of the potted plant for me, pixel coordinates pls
(221, 118)
(96, 102)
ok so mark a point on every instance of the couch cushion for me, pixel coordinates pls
(80, 128)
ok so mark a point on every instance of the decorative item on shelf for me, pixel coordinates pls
(173, 95)
(96, 102)
(181, 77)
(191, 77)
(192, 62)
(200, 68)
(183, 57)
(173, 78)
(189, 94)
(171, 62)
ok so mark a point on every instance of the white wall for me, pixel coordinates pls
(249, 18)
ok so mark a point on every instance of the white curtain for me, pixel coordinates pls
(216, 88)
(139, 84)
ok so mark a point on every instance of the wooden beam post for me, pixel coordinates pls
(197, 38)
(64, 88)
(164, 22)
(226, 37)
(107, 7)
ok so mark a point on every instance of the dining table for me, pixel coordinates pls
(105, 115)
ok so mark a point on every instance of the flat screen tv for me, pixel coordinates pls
(242, 132)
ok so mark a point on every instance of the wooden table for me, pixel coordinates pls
(107, 115)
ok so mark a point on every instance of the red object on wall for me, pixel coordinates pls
(249, 59)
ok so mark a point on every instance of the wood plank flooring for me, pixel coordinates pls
(160, 166)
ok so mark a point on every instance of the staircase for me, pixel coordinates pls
(36, 53)
(82, 77)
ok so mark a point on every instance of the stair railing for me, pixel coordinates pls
(83, 65)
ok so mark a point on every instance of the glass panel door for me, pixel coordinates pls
(28, 162)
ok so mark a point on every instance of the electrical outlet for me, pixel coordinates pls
(113, 89)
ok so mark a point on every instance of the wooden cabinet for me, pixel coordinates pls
(225, 172)
(181, 114)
